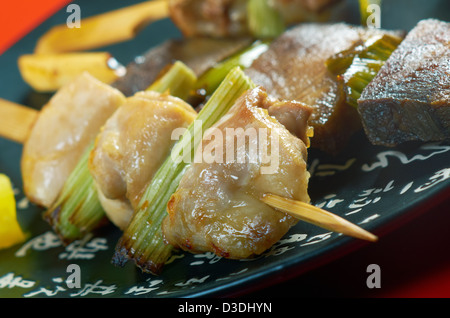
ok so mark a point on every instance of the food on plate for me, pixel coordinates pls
(294, 68)
(10, 231)
(131, 147)
(307, 87)
(230, 18)
(217, 207)
(49, 72)
(209, 80)
(355, 68)
(145, 242)
(409, 98)
(142, 241)
(199, 54)
(177, 80)
(65, 127)
(78, 209)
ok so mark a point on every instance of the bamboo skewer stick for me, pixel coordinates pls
(314, 215)
(16, 120)
(103, 29)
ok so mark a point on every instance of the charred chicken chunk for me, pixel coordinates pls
(130, 148)
(217, 205)
(66, 126)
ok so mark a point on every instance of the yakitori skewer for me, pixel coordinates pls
(16, 121)
(317, 216)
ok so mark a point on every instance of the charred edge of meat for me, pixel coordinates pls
(390, 122)
(409, 97)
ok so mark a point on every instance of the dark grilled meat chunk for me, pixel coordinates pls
(197, 53)
(293, 68)
(409, 99)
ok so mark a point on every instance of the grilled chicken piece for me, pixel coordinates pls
(293, 68)
(218, 18)
(409, 99)
(199, 54)
(66, 126)
(294, 116)
(131, 147)
(224, 18)
(217, 205)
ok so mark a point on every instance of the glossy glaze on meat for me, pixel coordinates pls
(409, 99)
(66, 126)
(132, 145)
(294, 68)
(216, 207)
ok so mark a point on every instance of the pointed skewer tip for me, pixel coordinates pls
(315, 215)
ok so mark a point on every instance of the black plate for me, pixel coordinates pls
(374, 187)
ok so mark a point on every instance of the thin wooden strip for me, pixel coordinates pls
(314, 215)
(16, 120)
(103, 29)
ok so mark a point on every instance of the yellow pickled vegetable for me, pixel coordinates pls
(49, 72)
(103, 29)
(10, 231)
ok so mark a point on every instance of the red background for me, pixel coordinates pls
(427, 267)
(19, 17)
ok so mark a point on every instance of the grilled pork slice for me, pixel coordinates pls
(293, 68)
(199, 54)
(131, 146)
(409, 99)
(225, 18)
(217, 205)
(65, 128)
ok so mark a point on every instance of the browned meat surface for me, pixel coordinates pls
(293, 68)
(222, 18)
(409, 99)
(217, 205)
(130, 148)
(295, 11)
(65, 128)
(198, 53)
(209, 17)
(294, 117)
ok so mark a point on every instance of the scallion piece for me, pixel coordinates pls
(77, 210)
(358, 66)
(209, 81)
(264, 21)
(178, 81)
(143, 240)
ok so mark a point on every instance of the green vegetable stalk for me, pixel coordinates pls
(77, 210)
(358, 66)
(143, 241)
